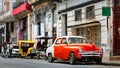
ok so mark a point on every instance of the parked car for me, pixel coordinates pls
(15, 50)
(74, 48)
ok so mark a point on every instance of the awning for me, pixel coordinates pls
(26, 7)
(92, 23)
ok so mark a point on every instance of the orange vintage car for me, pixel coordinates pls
(74, 48)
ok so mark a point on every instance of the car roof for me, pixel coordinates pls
(70, 36)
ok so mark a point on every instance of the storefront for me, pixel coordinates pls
(21, 13)
(92, 31)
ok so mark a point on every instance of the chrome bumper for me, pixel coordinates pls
(90, 54)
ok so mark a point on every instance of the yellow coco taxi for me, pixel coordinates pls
(26, 48)
(72, 49)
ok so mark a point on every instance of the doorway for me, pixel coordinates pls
(64, 24)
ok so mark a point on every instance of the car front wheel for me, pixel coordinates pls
(50, 58)
(72, 59)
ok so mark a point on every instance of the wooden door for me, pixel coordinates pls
(116, 31)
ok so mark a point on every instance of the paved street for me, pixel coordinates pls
(33, 63)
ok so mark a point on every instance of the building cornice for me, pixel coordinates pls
(80, 5)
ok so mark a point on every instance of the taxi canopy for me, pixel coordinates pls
(21, 42)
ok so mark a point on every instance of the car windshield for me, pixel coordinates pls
(15, 47)
(25, 45)
(77, 40)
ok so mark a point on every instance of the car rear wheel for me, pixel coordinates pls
(50, 58)
(72, 59)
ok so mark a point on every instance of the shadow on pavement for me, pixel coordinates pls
(88, 63)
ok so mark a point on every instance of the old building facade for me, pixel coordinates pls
(84, 18)
(28, 19)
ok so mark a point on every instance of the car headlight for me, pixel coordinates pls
(80, 50)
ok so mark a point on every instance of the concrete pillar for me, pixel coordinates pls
(29, 27)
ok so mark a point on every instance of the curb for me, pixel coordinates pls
(111, 64)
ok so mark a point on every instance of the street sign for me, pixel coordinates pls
(106, 11)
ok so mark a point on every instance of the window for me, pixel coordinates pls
(12, 26)
(92, 33)
(97, 34)
(90, 14)
(39, 28)
(77, 40)
(38, 19)
(82, 32)
(13, 39)
(64, 41)
(25, 37)
(58, 41)
(78, 15)
(55, 16)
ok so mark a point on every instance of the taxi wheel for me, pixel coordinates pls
(38, 56)
(31, 57)
(21, 57)
(72, 59)
(50, 58)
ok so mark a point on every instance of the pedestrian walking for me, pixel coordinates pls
(5, 50)
(10, 50)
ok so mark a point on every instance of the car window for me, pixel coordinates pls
(64, 41)
(58, 41)
(77, 40)
(15, 47)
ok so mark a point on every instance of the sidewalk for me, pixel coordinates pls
(114, 63)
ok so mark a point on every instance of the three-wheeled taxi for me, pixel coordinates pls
(41, 46)
(26, 48)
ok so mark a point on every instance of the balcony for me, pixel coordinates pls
(22, 10)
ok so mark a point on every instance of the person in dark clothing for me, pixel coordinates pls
(5, 49)
(44, 45)
(10, 50)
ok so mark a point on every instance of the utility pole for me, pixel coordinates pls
(108, 30)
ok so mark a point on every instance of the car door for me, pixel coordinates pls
(57, 49)
(63, 48)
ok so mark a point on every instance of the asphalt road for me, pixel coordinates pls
(33, 63)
